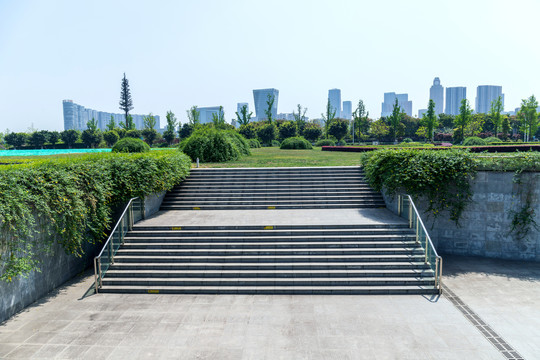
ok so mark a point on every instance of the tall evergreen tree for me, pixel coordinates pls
(395, 119)
(126, 103)
(429, 120)
(462, 120)
(495, 114)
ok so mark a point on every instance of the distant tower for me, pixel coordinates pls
(334, 95)
(347, 110)
(454, 95)
(239, 107)
(388, 105)
(436, 93)
(260, 97)
(485, 95)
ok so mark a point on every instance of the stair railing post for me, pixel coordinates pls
(426, 247)
(399, 205)
(417, 230)
(96, 274)
(410, 213)
(100, 277)
(436, 273)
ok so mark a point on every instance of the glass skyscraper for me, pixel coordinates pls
(389, 100)
(436, 93)
(260, 97)
(346, 113)
(334, 95)
(485, 95)
(454, 95)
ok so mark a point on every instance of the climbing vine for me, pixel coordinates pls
(70, 200)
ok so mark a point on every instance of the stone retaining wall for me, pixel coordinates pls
(486, 222)
(56, 268)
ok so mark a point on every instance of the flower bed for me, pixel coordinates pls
(474, 149)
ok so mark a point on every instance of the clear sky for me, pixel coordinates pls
(182, 53)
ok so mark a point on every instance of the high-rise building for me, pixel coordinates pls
(390, 99)
(205, 113)
(240, 105)
(454, 95)
(485, 95)
(436, 93)
(421, 113)
(346, 113)
(260, 97)
(77, 117)
(334, 95)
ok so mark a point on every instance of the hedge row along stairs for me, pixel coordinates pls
(370, 258)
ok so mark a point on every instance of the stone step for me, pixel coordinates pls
(260, 232)
(275, 290)
(270, 245)
(296, 240)
(299, 190)
(273, 206)
(265, 195)
(266, 178)
(227, 201)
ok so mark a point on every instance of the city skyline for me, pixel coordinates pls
(183, 60)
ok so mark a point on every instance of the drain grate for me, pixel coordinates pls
(495, 339)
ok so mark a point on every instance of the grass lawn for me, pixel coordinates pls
(275, 157)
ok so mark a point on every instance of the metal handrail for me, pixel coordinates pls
(98, 273)
(437, 268)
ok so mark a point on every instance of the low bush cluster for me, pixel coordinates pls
(440, 177)
(70, 200)
(254, 143)
(325, 142)
(130, 145)
(474, 140)
(295, 143)
(213, 145)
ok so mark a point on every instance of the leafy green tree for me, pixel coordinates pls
(312, 132)
(300, 118)
(149, 132)
(269, 103)
(328, 117)
(429, 120)
(111, 125)
(91, 138)
(54, 137)
(338, 128)
(38, 138)
(16, 140)
(267, 133)
(129, 125)
(288, 129)
(475, 125)
(70, 137)
(149, 121)
(111, 137)
(243, 117)
(194, 116)
(495, 114)
(446, 120)
(186, 130)
(248, 131)
(92, 125)
(528, 117)
(505, 127)
(379, 129)
(126, 102)
(462, 120)
(361, 121)
(395, 120)
(121, 132)
(169, 135)
(219, 118)
(136, 134)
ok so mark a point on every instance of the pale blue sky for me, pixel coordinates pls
(182, 53)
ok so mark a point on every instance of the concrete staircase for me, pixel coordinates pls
(315, 257)
(273, 188)
(344, 259)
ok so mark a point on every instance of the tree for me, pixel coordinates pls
(429, 120)
(395, 120)
(248, 131)
(70, 137)
(269, 103)
(126, 103)
(528, 117)
(361, 122)
(129, 125)
(16, 139)
(495, 114)
(194, 116)
(338, 128)
(149, 132)
(39, 138)
(111, 137)
(446, 120)
(505, 127)
(169, 135)
(91, 137)
(111, 125)
(475, 125)
(243, 117)
(328, 117)
(219, 118)
(300, 118)
(185, 131)
(267, 133)
(462, 120)
(379, 129)
(92, 125)
(312, 132)
(288, 129)
(54, 136)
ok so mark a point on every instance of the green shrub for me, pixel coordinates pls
(325, 142)
(213, 145)
(407, 140)
(111, 137)
(312, 132)
(136, 134)
(130, 145)
(275, 143)
(440, 177)
(474, 140)
(70, 200)
(492, 140)
(248, 131)
(297, 142)
(267, 133)
(254, 143)
(288, 130)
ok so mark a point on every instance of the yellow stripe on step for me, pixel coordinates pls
(151, 291)
(271, 207)
(196, 208)
(268, 228)
(176, 228)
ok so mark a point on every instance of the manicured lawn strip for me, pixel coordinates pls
(275, 157)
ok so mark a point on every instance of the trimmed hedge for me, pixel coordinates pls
(297, 142)
(474, 149)
(130, 145)
(325, 142)
(70, 200)
(254, 143)
(213, 145)
(474, 140)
